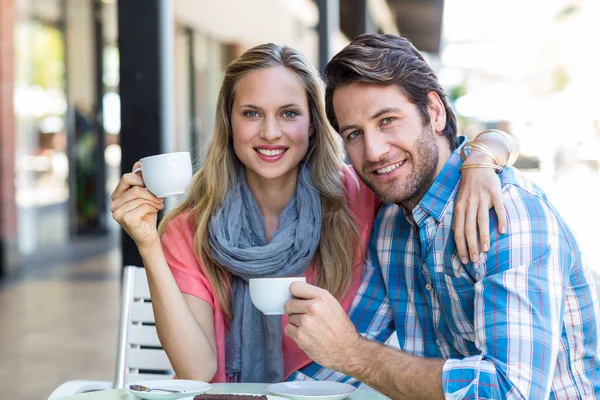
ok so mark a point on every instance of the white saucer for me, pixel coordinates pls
(312, 390)
(187, 388)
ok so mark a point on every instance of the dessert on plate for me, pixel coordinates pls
(209, 396)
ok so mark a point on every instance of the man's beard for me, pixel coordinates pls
(407, 192)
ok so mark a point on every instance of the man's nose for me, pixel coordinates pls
(376, 147)
(270, 130)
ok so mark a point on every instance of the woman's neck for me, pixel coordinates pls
(272, 195)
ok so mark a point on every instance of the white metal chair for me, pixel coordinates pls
(140, 355)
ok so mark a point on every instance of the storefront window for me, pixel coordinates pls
(111, 118)
(42, 166)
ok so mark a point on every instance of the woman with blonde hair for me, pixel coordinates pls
(273, 198)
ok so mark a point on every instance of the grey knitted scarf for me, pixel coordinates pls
(253, 345)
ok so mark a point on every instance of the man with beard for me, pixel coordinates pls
(518, 321)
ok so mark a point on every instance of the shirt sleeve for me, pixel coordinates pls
(178, 248)
(371, 315)
(518, 309)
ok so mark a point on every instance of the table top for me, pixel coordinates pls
(257, 388)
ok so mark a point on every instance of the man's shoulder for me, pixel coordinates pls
(523, 196)
(529, 210)
(512, 177)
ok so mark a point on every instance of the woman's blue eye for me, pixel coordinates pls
(290, 114)
(250, 113)
(387, 120)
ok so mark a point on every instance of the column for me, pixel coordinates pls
(364, 23)
(329, 26)
(9, 254)
(145, 47)
(84, 46)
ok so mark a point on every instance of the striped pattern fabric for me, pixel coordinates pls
(522, 323)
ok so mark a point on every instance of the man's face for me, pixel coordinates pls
(393, 152)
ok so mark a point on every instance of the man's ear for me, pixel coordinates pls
(437, 112)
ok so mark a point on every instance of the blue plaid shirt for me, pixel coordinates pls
(521, 323)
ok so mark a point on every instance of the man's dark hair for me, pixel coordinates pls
(387, 60)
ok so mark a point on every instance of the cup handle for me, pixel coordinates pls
(138, 169)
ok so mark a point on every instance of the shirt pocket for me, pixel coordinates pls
(456, 295)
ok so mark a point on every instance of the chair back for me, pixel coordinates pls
(140, 355)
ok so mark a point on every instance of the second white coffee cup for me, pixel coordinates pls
(270, 294)
(167, 174)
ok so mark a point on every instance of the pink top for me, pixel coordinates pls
(178, 247)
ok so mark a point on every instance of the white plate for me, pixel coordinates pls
(312, 390)
(187, 388)
(269, 396)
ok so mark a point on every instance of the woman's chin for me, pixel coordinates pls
(273, 173)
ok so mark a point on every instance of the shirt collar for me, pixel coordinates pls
(435, 201)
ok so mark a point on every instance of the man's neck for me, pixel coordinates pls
(409, 205)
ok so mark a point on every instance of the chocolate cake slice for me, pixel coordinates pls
(209, 396)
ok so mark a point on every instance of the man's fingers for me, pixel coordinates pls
(297, 320)
(291, 331)
(295, 306)
(303, 290)
(306, 298)
(302, 306)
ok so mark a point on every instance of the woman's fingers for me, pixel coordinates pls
(125, 183)
(135, 192)
(471, 232)
(128, 180)
(124, 215)
(483, 225)
(498, 204)
(140, 223)
(459, 233)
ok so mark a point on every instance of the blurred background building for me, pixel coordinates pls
(89, 86)
(61, 104)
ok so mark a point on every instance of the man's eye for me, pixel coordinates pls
(251, 113)
(387, 120)
(289, 114)
(353, 135)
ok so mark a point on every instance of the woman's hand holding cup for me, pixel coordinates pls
(135, 208)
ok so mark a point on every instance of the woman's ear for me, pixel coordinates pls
(311, 130)
(437, 112)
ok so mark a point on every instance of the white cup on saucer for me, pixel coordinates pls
(270, 294)
(167, 174)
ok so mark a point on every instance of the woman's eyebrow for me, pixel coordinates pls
(249, 106)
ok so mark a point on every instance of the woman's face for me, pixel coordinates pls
(270, 119)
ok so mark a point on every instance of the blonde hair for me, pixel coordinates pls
(339, 244)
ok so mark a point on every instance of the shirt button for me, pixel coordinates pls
(429, 287)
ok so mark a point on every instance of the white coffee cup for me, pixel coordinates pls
(167, 174)
(270, 294)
